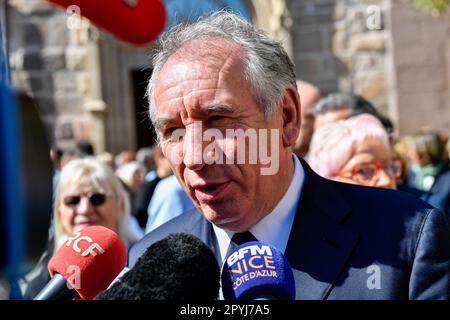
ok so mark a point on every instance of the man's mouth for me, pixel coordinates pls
(210, 191)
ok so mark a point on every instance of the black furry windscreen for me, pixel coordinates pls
(178, 267)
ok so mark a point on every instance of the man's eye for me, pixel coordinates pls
(173, 133)
(169, 131)
(215, 119)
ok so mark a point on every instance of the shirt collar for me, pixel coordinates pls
(274, 228)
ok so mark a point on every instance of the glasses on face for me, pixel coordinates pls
(95, 198)
(367, 173)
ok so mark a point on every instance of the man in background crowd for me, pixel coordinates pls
(309, 95)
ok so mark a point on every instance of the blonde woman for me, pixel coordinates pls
(88, 193)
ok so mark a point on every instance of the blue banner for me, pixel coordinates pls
(11, 204)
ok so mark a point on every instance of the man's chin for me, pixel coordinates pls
(223, 218)
(215, 215)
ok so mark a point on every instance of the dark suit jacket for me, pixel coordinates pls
(142, 200)
(351, 242)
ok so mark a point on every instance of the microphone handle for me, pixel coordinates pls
(56, 289)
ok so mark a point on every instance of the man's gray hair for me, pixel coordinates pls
(268, 67)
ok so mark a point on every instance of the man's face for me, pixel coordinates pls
(202, 87)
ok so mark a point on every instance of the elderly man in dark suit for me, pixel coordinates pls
(219, 78)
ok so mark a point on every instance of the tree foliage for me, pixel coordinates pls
(433, 6)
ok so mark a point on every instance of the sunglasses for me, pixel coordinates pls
(95, 198)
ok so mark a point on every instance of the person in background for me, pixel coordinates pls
(400, 152)
(70, 154)
(169, 201)
(124, 157)
(400, 149)
(132, 175)
(147, 188)
(85, 148)
(429, 168)
(448, 147)
(88, 194)
(56, 154)
(357, 151)
(340, 106)
(145, 157)
(106, 158)
(309, 95)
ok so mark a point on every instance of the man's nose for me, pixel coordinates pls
(193, 147)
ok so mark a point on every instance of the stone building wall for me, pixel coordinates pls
(396, 56)
(422, 68)
(50, 56)
(343, 45)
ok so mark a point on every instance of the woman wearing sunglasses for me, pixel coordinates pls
(87, 194)
(355, 150)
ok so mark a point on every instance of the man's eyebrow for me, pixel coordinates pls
(214, 107)
(219, 108)
(159, 123)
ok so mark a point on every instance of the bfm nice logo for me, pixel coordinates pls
(251, 262)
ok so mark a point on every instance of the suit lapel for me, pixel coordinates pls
(319, 244)
(211, 241)
(203, 229)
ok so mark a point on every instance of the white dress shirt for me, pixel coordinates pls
(274, 228)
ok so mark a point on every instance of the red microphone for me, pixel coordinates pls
(135, 21)
(89, 261)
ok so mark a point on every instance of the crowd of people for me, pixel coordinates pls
(351, 141)
(342, 137)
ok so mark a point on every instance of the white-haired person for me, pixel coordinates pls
(88, 194)
(132, 175)
(355, 150)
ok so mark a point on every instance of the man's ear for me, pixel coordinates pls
(291, 116)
